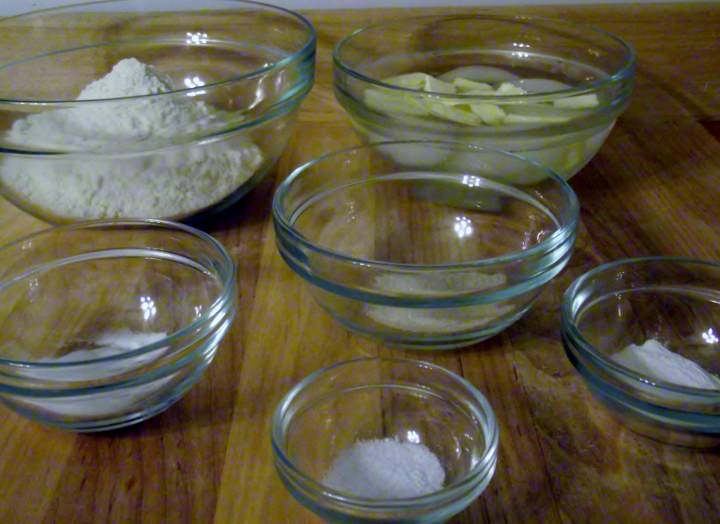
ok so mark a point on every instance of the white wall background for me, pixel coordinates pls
(8, 7)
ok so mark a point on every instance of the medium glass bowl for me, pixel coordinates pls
(675, 301)
(549, 124)
(107, 323)
(239, 71)
(425, 244)
(374, 398)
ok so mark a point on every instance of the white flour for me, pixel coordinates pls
(386, 469)
(108, 344)
(657, 362)
(167, 183)
(441, 320)
(102, 403)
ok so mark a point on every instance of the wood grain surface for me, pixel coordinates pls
(653, 189)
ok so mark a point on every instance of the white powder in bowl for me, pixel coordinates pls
(168, 183)
(657, 362)
(439, 320)
(101, 403)
(386, 469)
(108, 344)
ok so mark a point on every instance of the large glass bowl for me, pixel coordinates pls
(425, 244)
(560, 121)
(237, 73)
(675, 301)
(370, 399)
(107, 323)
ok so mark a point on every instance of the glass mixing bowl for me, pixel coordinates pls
(675, 301)
(425, 244)
(234, 75)
(367, 399)
(105, 324)
(548, 90)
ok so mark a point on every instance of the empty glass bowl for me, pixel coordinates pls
(549, 90)
(365, 400)
(190, 136)
(425, 244)
(105, 324)
(673, 301)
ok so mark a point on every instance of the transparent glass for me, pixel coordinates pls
(587, 62)
(406, 400)
(239, 71)
(672, 300)
(108, 323)
(425, 244)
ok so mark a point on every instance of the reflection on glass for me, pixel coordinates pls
(463, 227)
(196, 38)
(471, 181)
(147, 304)
(412, 436)
(192, 82)
(710, 337)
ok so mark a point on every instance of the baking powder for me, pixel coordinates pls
(386, 469)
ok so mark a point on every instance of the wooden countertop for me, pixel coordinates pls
(654, 188)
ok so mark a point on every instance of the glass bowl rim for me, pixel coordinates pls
(490, 429)
(226, 272)
(575, 336)
(625, 71)
(572, 211)
(307, 48)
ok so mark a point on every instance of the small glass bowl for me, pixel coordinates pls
(425, 245)
(376, 398)
(588, 62)
(239, 70)
(107, 323)
(675, 301)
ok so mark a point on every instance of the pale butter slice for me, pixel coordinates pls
(463, 111)
(387, 102)
(577, 102)
(433, 85)
(489, 113)
(537, 114)
(408, 81)
(453, 113)
(421, 81)
(466, 86)
(508, 89)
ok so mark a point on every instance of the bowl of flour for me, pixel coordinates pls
(151, 121)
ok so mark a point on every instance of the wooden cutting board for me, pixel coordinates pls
(653, 189)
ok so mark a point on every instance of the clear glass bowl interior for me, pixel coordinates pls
(112, 287)
(433, 217)
(674, 301)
